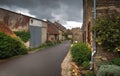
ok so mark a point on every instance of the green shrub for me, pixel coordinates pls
(90, 73)
(109, 69)
(24, 35)
(108, 33)
(116, 61)
(103, 63)
(49, 43)
(86, 65)
(10, 46)
(80, 53)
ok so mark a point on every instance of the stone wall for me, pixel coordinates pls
(15, 21)
(103, 7)
(44, 32)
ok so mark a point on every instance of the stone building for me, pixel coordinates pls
(38, 31)
(61, 29)
(69, 34)
(52, 32)
(15, 21)
(103, 8)
(19, 22)
(77, 34)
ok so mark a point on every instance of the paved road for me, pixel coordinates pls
(46, 62)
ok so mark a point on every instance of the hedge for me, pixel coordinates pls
(10, 46)
(80, 52)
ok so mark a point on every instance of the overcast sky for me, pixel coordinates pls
(68, 12)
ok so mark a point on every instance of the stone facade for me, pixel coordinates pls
(61, 29)
(77, 34)
(6, 30)
(103, 8)
(15, 21)
(52, 32)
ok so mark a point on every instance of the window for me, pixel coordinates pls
(31, 21)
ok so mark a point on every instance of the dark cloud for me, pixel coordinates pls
(63, 10)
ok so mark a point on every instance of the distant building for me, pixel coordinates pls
(61, 29)
(52, 32)
(6, 30)
(69, 34)
(77, 34)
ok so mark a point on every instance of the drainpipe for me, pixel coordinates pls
(94, 42)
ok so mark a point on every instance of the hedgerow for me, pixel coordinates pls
(80, 52)
(10, 46)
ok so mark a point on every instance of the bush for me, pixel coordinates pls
(90, 73)
(108, 31)
(80, 53)
(116, 61)
(103, 63)
(10, 46)
(24, 35)
(109, 69)
(86, 65)
(57, 42)
(49, 43)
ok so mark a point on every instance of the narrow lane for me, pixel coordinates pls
(46, 62)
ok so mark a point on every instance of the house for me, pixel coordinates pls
(102, 8)
(38, 32)
(19, 22)
(69, 34)
(52, 32)
(61, 29)
(77, 34)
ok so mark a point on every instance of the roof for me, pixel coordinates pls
(60, 27)
(51, 28)
(21, 14)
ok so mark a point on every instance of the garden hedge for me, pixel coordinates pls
(10, 46)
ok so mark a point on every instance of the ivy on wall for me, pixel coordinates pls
(24, 35)
(108, 33)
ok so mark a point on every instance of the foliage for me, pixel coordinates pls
(86, 65)
(103, 63)
(57, 42)
(24, 35)
(108, 30)
(109, 69)
(49, 43)
(10, 46)
(116, 61)
(80, 53)
(90, 73)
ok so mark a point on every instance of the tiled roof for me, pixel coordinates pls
(60, 27)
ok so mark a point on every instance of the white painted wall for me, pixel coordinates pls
(35, 22)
